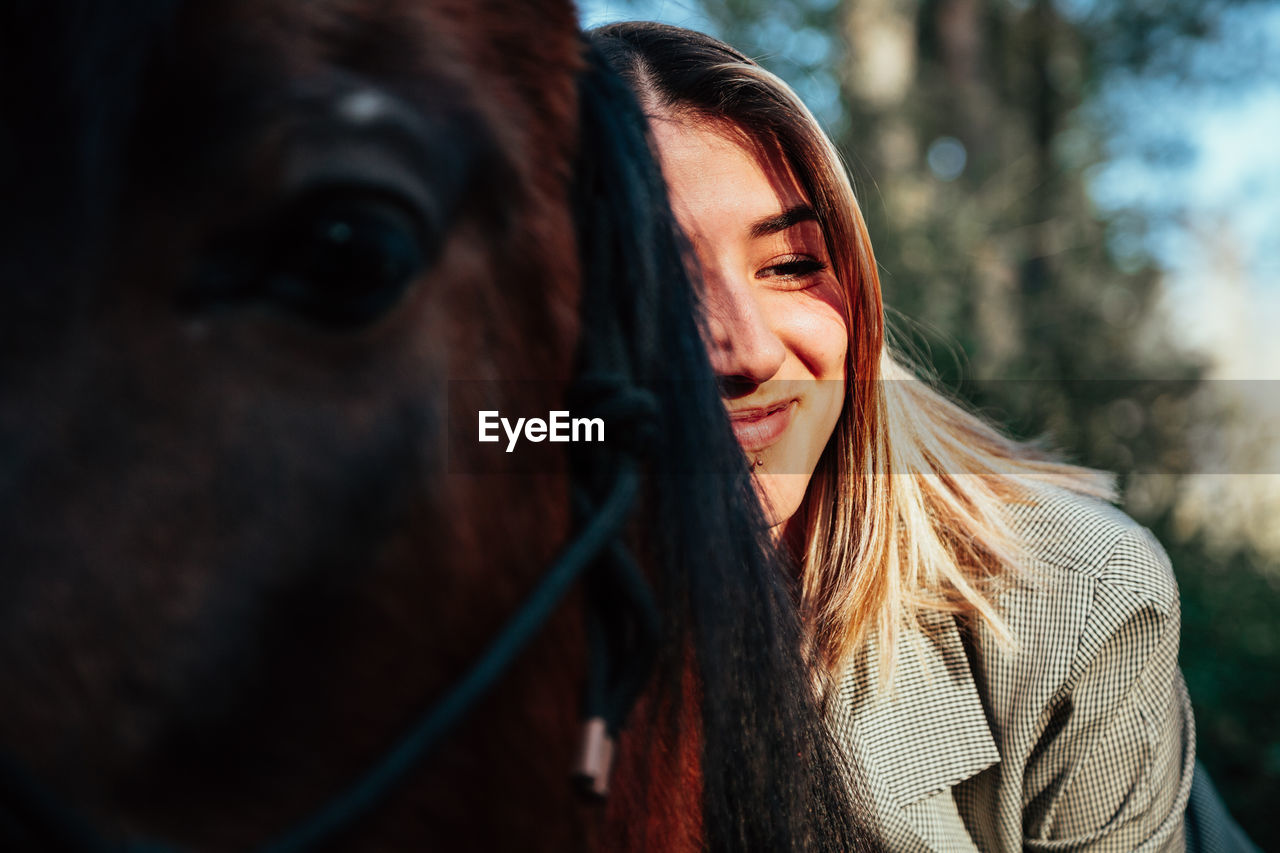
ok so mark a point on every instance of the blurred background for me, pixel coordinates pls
(1075, 206)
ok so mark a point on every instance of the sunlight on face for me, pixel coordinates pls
(778, 338)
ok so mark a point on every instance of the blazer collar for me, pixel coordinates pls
(928, 731)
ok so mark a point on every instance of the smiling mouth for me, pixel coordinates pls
(757, 429)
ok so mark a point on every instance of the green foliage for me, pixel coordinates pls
(1230, 646)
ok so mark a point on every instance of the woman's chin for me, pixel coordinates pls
(780, 496)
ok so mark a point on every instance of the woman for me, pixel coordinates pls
(997, 645)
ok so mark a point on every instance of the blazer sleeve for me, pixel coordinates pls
(1115, 762)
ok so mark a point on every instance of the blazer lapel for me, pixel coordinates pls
(924, 735)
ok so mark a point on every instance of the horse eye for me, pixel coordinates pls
(343, 261)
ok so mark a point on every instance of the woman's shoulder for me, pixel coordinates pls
(1074, 541)
(1090, 693)
(1093, 594)
(1088, 687)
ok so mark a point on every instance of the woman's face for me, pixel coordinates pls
(778, 338)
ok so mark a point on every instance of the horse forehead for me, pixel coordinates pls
(104, 101)
(77, 72)
(516, 61)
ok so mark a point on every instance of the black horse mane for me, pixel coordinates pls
(774, 779)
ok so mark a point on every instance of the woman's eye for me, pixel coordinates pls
(792, 272)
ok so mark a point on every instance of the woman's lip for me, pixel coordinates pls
(756, 429)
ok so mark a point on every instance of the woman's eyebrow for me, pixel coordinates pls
(781, 222)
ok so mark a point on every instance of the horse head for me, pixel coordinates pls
(253, 249)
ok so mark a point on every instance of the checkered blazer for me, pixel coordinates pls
(1081, 738)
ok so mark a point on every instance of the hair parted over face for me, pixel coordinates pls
(686, 80)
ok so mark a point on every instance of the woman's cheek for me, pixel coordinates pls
(821, 340)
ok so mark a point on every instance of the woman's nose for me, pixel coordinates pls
(743, 346)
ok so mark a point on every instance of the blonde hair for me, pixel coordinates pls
(907, 511)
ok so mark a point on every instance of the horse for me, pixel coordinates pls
(258, 590)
